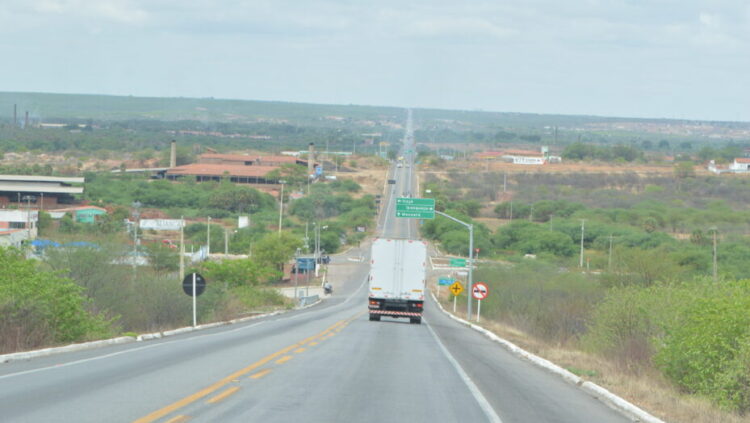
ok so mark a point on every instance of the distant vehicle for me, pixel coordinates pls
(397, 279)
(399, 165)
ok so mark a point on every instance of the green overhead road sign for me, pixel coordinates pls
(458, 263)
(415, 208)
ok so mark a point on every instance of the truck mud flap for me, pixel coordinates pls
(396, 313)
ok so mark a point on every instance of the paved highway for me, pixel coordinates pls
(327, 363)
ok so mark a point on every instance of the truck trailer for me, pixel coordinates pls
(397, 279)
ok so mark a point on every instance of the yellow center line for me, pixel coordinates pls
(260, 374)
(171, 408)
(222, 396)
(299, 350)
(178, 419)
(284, 359)
(312, 344)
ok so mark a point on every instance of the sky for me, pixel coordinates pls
(685, 59)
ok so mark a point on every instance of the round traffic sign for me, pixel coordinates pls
(200, 284)
(479, 290)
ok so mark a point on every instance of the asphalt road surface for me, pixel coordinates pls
(326, 363)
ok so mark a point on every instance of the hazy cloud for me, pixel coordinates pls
(643, 58)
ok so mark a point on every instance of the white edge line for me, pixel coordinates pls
(481, 400)
(611, 400)
(26, 355)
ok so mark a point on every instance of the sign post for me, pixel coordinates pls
(480, 292)
(456, 289)
(194, 284)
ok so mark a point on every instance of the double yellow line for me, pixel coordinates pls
(236, 375)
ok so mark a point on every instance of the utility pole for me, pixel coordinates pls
(226, 241)
(208, 237)
(182, 247)
(281, 205)
(583, 222)
(136, 214)
(28, 216)
(511, 210)
(505, 182)
(307, 239)
(715, 265)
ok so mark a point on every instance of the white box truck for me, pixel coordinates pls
(397, 278)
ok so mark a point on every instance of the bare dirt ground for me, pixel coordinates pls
(369, 174)
(572, 167)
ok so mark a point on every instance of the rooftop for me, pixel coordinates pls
(210, 169)
(49, 188)
(250, 157)
(35, 178)
(531, 153)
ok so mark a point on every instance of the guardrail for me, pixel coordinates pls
(312, 299)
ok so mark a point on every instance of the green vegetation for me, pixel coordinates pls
(581, 151)
(101, 294)
(39, 307)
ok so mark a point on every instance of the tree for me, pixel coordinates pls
(45, 221)
(275, 249)
(162, 257)
(683, 170)
(293, 175)
(236, 273)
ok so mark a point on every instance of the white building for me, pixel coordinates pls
(740, 164)
(17, 226)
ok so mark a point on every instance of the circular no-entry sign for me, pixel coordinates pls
(200, 284)
(479, 291)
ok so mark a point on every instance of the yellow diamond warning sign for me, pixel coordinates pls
(456, 288)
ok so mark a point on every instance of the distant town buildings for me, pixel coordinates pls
(238, 168)
(521, 157)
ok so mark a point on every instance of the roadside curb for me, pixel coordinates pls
(6, 358)
(26, 355)
(608, 398)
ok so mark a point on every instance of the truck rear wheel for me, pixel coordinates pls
(375, 317)
(415, 320)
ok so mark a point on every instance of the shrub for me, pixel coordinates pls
(708, 352)
(48, 307)
(538, 298)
